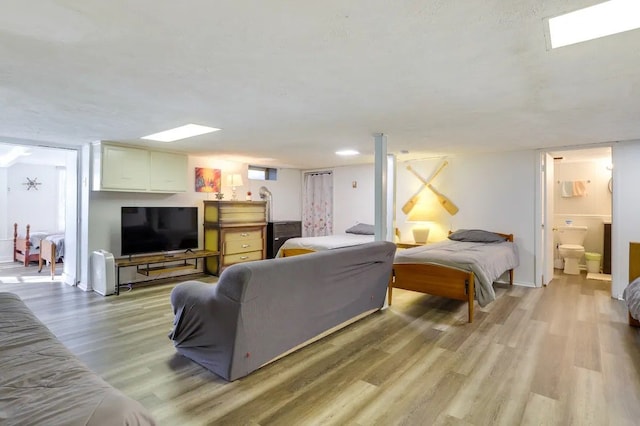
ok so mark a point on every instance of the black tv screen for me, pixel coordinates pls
(157, 229)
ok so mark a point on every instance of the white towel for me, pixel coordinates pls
(579, 188)
(573, 188)
(566, 188)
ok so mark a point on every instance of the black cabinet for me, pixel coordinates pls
(606, 255)
(279, 232)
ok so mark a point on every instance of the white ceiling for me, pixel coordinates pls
(290, 82)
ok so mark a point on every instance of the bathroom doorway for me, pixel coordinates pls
(579, 188)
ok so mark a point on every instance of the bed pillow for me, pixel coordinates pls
(476, 236)
(361, 229)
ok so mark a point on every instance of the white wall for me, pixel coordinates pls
(625, 226)
(286, 194)
(30, 206)
(492, 191)
(597, 201)
(353, 205)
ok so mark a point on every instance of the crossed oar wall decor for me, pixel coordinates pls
(443, 200)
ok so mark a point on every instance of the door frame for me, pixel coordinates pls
(543, 245)
(70, 277)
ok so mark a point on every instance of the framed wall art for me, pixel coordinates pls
(208, 180)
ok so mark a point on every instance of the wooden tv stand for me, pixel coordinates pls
(150, 265)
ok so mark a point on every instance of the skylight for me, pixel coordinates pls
(608, 18)
(347, 152)
(182, 132)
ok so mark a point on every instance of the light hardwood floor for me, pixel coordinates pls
(553, 356)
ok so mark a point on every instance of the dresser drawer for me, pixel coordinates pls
(241, 257)
(242, 235)
(242, 246)
(235, 214)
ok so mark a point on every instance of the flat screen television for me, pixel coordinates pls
(158, 229)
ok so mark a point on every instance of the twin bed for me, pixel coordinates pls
(464, 267)
(41, 247)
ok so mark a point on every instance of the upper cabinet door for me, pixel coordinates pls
(125, 168)
(168, 172)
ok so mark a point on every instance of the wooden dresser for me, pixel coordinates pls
(236, 229)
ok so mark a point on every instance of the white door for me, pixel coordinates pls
(547, 222)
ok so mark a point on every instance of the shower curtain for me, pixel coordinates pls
(317, 204)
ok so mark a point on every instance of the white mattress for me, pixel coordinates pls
(327, 242)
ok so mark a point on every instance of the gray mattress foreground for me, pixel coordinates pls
(43, 383)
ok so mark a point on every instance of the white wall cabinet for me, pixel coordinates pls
(124, 168)
(167, 172)
(128, 169)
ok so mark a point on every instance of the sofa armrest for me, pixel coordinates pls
(205, 324)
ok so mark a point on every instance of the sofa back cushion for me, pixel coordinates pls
(287, 301)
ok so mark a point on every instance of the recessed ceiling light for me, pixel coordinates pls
(611, 17)
(347, 152)
(182, 132)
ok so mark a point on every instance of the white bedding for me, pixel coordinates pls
(57, 238)
(327, 242)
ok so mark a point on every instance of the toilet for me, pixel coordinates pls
(571, 249)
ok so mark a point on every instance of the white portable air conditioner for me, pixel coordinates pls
(103, 272)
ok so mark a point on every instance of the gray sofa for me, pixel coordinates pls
(260, 310)
(43, 383)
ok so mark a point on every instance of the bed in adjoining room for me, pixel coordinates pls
(463, 267)
(42, 247)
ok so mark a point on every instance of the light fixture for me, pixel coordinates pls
(421, 213)
(347, 152)
(182, 132)
(234, 180)
(608, 18)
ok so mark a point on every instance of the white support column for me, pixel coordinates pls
(391, 197)
(380, 186)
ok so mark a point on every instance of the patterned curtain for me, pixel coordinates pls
(317, 204)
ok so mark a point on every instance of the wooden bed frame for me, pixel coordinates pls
(438, 280)
(22, 247)
(634, 272)
(295, 252)
(47, 254)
